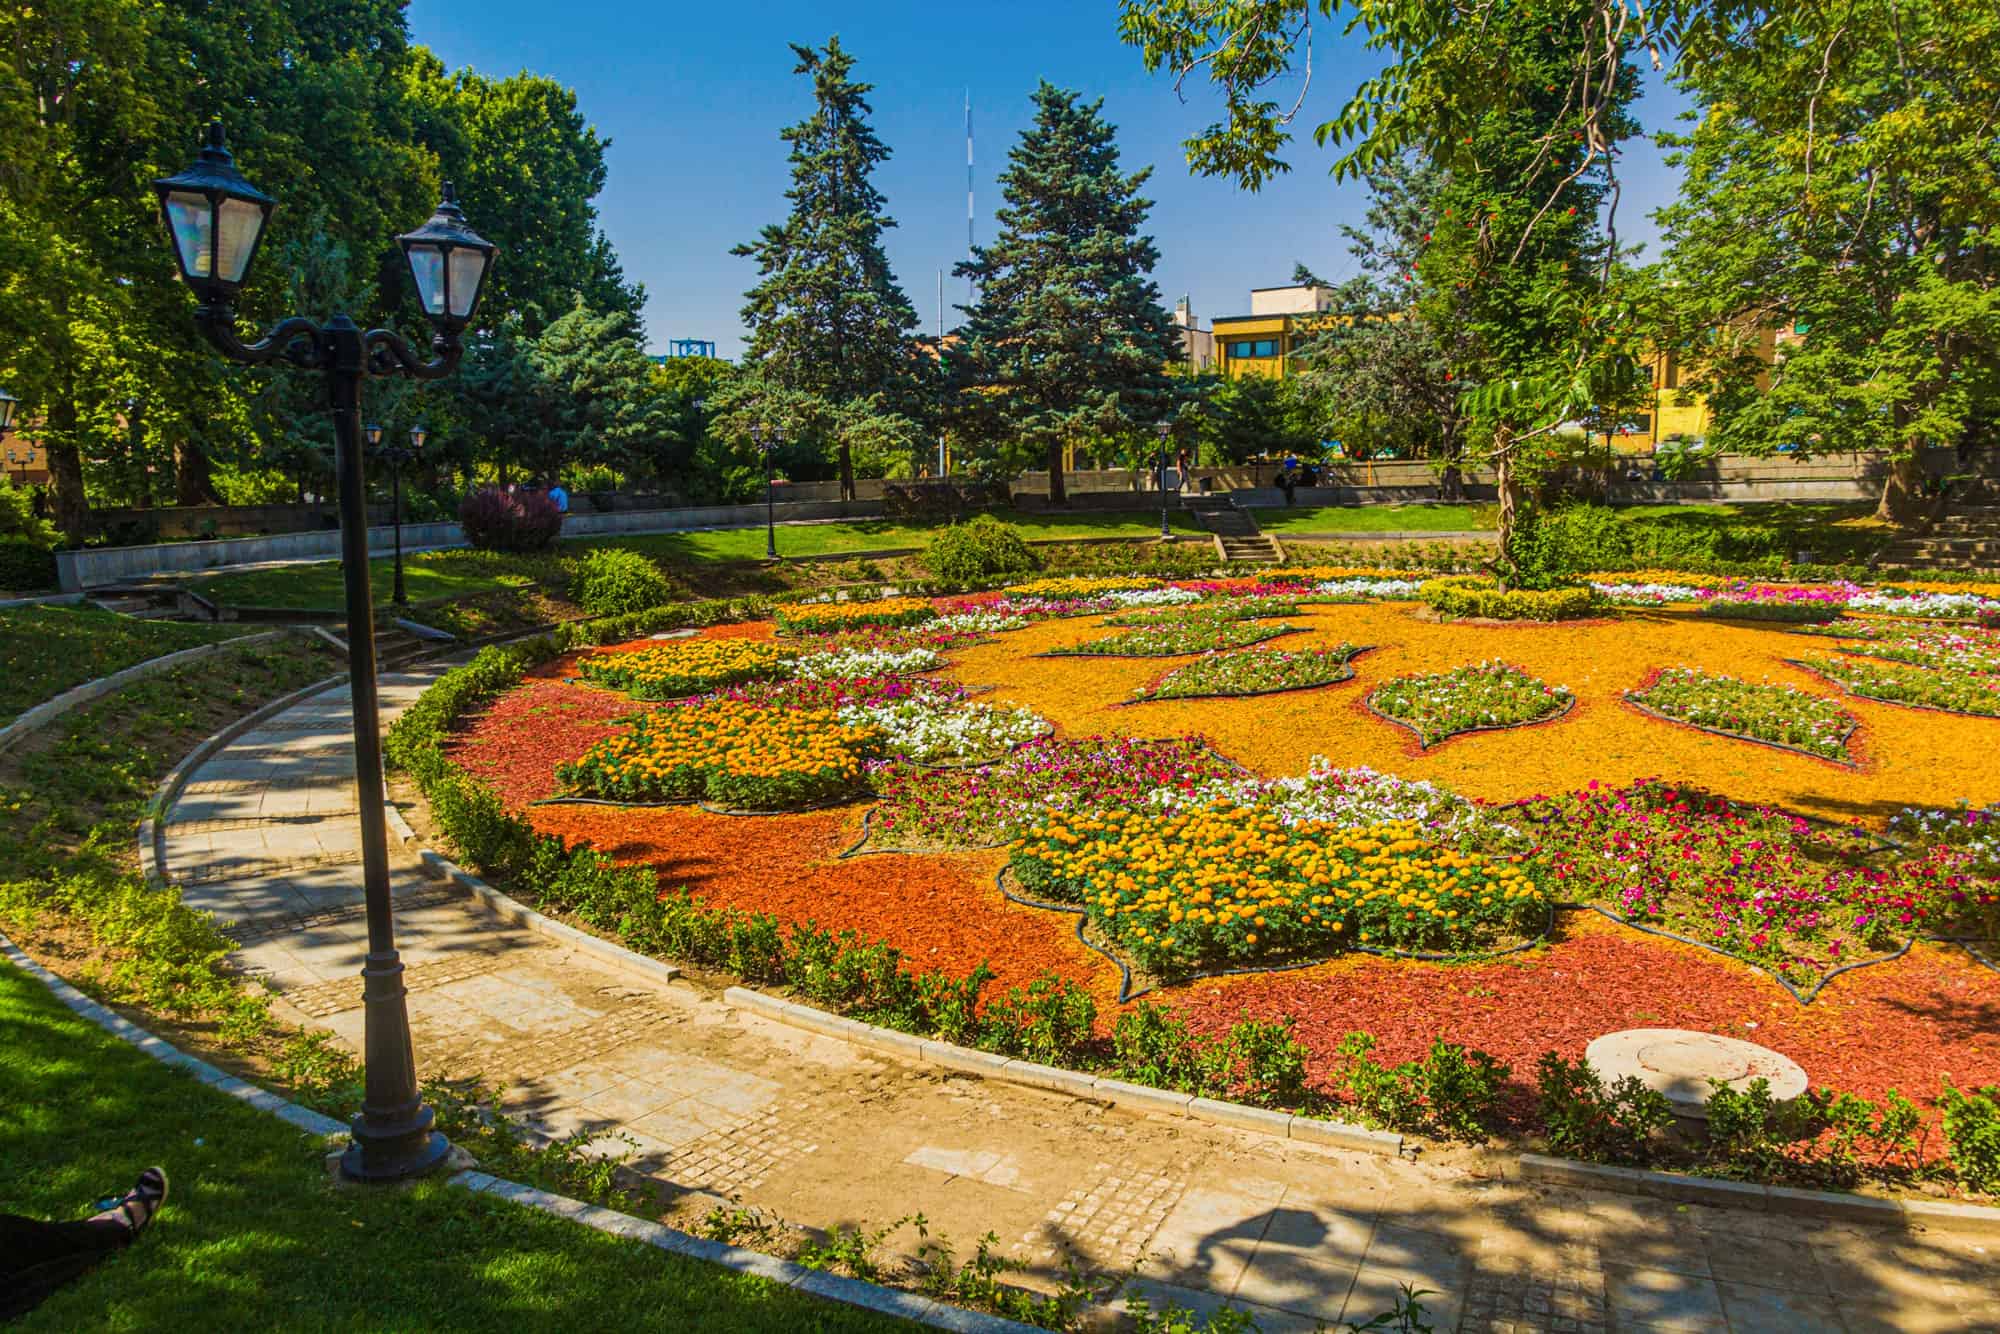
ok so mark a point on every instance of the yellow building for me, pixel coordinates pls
(1262, 342)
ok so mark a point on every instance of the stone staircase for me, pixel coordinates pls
(1237, 538)
(1964, 537)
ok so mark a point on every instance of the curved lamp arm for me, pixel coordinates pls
(295, 340)
(389, 353)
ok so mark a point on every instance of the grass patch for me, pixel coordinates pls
(45, 650)
(255, 1235)
(1379, 519)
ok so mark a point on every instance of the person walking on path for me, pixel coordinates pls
(36, 1257)
(559, 496)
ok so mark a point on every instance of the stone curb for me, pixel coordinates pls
(1132, 1097)
(815, 1282)
(438, 867)
(33, 720)
(306, 1119)
(1944, 1215)
(826, 1287)
(152, 849)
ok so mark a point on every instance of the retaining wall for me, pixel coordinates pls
(96, 566)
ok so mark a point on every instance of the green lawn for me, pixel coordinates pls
(442, 574)
(1378, 519)
(47, 649)
(255, 1235)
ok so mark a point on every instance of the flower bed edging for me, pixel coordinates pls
(1976, 1219)
(1102, 1088)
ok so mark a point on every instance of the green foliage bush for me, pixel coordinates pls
(1454, 1092)
(1049, 1021)
(613, 581)
(967, 554)
(1464, 595)
(1972, 1134)
(24, 566)
(1585, 1119)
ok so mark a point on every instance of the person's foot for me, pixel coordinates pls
(134, 1210)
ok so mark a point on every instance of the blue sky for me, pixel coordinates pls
(693, 96)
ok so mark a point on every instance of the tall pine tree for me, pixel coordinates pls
(1067, 339)
(828, 318)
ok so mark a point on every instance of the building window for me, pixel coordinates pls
(1262, 347)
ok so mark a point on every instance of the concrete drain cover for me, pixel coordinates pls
(1680, 1064)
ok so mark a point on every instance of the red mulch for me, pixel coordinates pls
(1900, 1025)
(515, 744)
(941, 911)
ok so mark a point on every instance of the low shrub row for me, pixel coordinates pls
(1464, 595)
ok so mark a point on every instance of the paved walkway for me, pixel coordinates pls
(725, 1105)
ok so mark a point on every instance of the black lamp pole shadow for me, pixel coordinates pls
(216, 219)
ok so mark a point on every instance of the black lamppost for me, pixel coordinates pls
(1166, 430)
(397, 457)
(215, 219)
(767, 442)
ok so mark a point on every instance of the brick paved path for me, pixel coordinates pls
(721, 1104)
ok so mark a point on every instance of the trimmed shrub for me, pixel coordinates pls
(496, 520)
(1972, 1134)
(1599, 1124)
(612, 581)
(25, 566)
(1464, 595)
(966, 554)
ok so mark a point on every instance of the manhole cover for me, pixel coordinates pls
(1681, 1064)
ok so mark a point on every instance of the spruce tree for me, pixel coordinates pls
(1067, 339)
(828, 318)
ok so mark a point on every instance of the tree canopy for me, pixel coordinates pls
(1067, 339)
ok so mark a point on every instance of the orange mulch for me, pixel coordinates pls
(1911, 757)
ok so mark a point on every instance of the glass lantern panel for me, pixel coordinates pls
(190, 218)
(427, 267)
(238, 222)
(468, 266)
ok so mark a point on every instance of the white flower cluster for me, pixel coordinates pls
(1937, 606)
(1344, 798)
(977, 622)
(1153, 597)
(1646, 595)
(1388, 590)
(929, 733)
(864, 662)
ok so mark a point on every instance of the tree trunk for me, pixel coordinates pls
(192, 483)
(846, 471)
(1510, 499)
(1057, 496)
(1903, 499)
(72, 507)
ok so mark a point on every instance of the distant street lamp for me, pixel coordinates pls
(397, 457)
(767, 443)
(1166, 430)
(215, 219)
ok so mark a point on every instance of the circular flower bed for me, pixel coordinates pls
(732, 753)
(1469, 699)
(1774, 714)
(676, 670)
(1257, 671)
(1230, 884)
